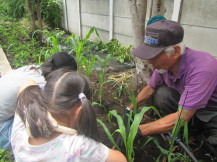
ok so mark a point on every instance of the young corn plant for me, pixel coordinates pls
(103, 63)
(171, 156)
(175, 132)
(54, 43)
(128, 137)
(77, 45)
(88, 64)
(166, 152)
(132, 100)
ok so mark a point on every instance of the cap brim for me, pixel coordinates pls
(147, 52)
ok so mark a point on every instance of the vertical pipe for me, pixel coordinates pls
(150, 12)
(66, 16)
(176, 10)
(151, 8)
(79, 17)
(111, 19)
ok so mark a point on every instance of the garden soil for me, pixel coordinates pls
(149, 152)
(112, 100)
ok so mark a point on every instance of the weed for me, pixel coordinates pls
(6, 155)
(51, 12)
(113, 47)
(13, 8)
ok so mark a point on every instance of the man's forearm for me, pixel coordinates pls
(162, 125)
(143, 95)
(166, 123)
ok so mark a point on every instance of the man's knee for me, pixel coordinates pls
(166, 99)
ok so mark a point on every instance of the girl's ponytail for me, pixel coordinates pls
(32, 109)
(87, 122)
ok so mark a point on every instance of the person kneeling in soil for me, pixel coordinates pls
(58, 123)
(10, 83)
(183, 84)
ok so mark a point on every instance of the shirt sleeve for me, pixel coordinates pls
(39, 79)
(94, 151)
(156, 80)
(199, 88)
(17, 132)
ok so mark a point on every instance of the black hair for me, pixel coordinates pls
(58, 60)
(62, 90)
(61, 93)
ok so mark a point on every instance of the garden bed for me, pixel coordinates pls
(114, 95)
(150, 152)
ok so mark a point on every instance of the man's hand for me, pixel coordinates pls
(126, 116)
(127, 110)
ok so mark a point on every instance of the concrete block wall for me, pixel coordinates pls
(198, 18)
(95, 13)
(122, 22)
(71, 16)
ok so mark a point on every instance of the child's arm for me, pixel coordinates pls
(115, 156)
(26, 84)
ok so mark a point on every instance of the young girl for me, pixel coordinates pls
(58, 124)
(10, 83)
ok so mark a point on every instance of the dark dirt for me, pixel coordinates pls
(150, 152)
(112, 101)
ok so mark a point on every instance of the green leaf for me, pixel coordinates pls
(121, 126)
(163, 151)
(108, 133)
(89, 33)
(133, 130)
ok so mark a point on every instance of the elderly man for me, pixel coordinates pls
(183, 79)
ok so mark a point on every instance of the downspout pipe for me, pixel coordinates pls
(111, 19)
(176, 10)
(79, 19)
(66, 16)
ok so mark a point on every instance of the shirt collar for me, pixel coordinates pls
(182, 65)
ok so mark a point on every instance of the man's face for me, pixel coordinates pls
(163, 61)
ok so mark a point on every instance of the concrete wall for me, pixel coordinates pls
(71, 16)
(198, 18)
(95, 13)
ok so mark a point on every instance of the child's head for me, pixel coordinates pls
(58, 60)
(67, 94)
(63, 89)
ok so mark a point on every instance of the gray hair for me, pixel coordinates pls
(170, 49)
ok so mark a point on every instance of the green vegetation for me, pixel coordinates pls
(113, 47)
(6, 155)
(50, 10)
(103, 65)
(16, 41)
(22, 48)
(128, 135)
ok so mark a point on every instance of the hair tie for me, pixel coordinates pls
(81, 95)
(41, 86)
